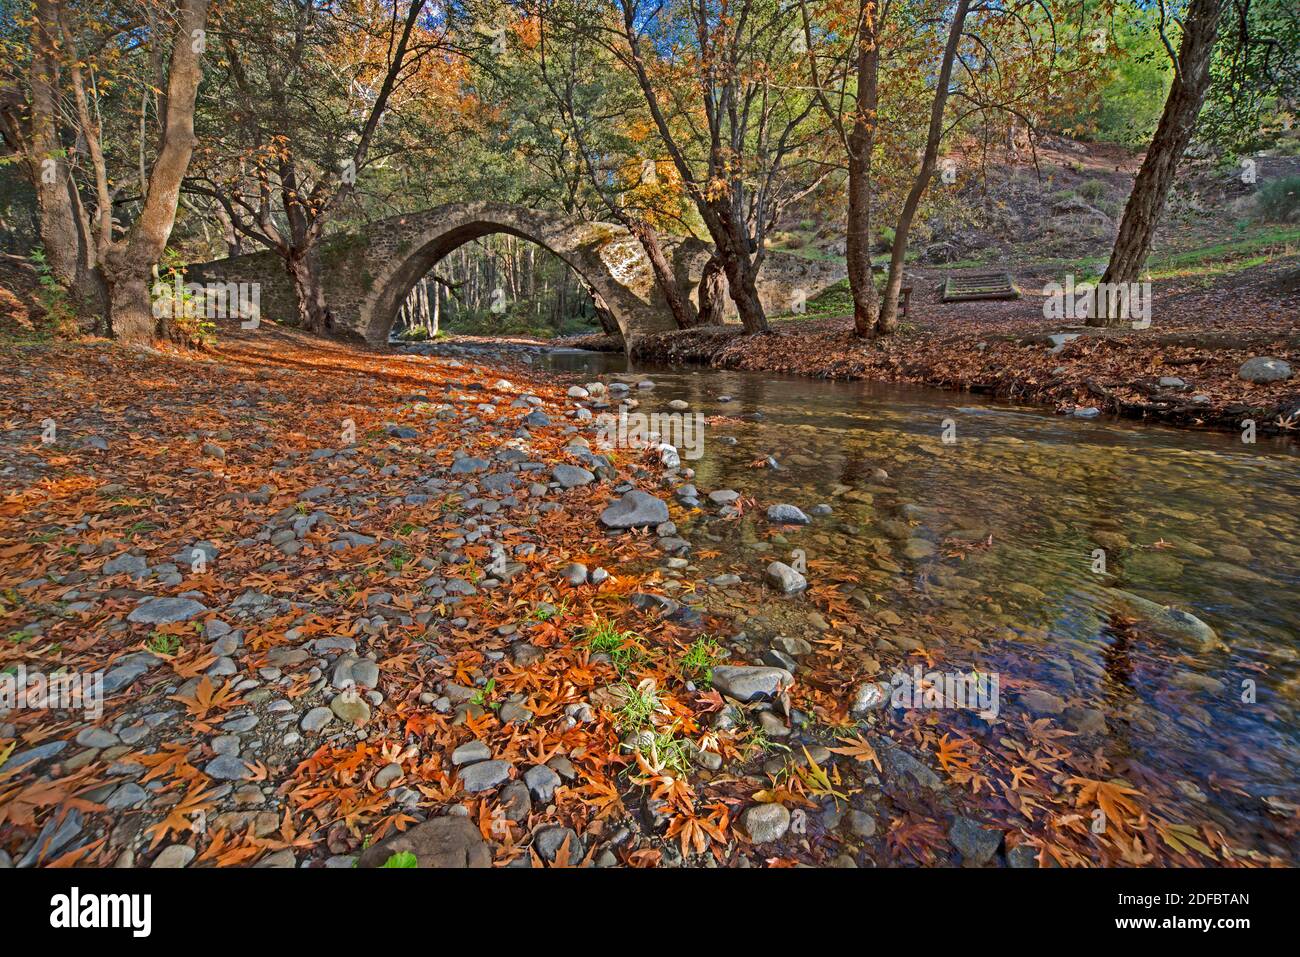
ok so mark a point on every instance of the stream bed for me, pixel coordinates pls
(1135, 586)
(1018, 539)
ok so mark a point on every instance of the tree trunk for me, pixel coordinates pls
(861, 141)
(130, 303)
(721, 214)
(683, 312)
(1177, 123)
(128, 264)
(888, 321)
(742, 281)
(308, 291)
(234, 239)
(63, 223)
(712, 293)
(606, 319)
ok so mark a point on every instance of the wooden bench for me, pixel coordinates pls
(979, 286)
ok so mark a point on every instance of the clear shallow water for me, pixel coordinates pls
(1197, 521)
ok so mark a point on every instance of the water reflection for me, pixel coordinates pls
(1196, 521)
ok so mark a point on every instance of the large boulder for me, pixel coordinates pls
(442, 842)
(636, 509)
(746, 682)
(165, 611)
(1264, 369)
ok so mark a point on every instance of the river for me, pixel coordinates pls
(985, 536)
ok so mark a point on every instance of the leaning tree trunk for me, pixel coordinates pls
(742, 280)
(128, 264)
(1159, 167)
(861, 141)
(731, 245)
(681, 308)
(888, 322)
(712, 293)
(608, 324)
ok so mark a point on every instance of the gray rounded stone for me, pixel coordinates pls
(227, 767)
(471, 753)
(441, 842)
(548, 840)
(746, 683)
(786, 515)
(96, 738)
(165, 611)
(976, 843)
(1264, 369)
(571, 476)
(316, 719)
(175, 855)
(575, 573)
(484, 776)
(542, 782)
(784, 579)
(633, 510)
(765, 823)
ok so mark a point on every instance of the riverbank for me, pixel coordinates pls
(351, 607)
(1185, 370)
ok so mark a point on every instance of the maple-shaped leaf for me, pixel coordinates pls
(859, 749)
(688, 830)
(185, 814)
(206, 698)
(1113, 797)
(709, 701)
(951, 753)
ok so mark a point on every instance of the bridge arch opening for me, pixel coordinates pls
(499, 282)
(597, 253)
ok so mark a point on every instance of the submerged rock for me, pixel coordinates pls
(1166, 618)
(871, 696)
(977, 844)
(784, 578)
(785, 514)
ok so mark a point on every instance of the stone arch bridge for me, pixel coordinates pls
(369, 271)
